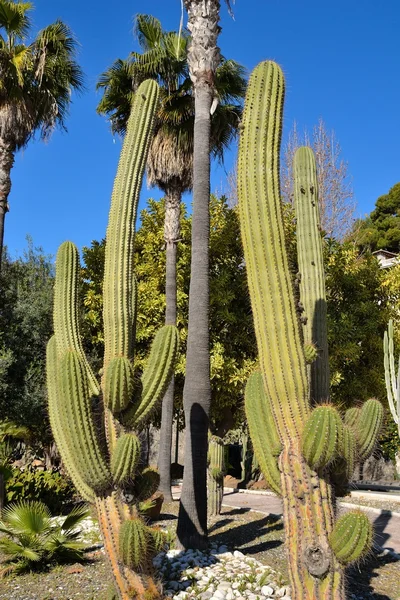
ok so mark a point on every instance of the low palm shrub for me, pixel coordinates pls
(31, 538)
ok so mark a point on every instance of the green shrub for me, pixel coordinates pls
(389, 441)
(50, 487)
(32, 539)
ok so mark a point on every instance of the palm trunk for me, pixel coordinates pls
(171, 235)
(203, 59)
(6, 164)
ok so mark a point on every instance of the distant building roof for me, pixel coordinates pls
(386, 258)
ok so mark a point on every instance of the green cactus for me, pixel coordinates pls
(368, 427)
(322, 436)
(349, 450)
(134, 542)
(351, 538)
(351, 416)
(125, 458)
(392, 376)
(216, 472)
(105, 468)
(279, 405)
(311, 268)
(266, 443)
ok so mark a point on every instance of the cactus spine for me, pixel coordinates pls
(107, 474)
(311, 268)
(392, 377)
(216, 473)
(308, 500)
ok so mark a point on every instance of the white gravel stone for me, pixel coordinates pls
(267, 590)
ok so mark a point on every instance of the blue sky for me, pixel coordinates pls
(341, 60)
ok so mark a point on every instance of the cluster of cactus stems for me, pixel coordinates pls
(216, 474)
(95, 425)
(302, 443)
(392, 375)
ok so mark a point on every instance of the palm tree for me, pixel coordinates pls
(170, 161)
(36, 80)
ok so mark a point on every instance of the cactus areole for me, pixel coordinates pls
(105, 468)
(299, 448)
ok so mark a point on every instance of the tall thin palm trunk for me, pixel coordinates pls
(203, 59)
(6, 164)
(171, 235)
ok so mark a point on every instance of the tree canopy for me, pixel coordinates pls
(381, 229)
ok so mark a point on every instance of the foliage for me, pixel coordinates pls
(381, 229)
(32, 540)
(231, 328)
(37, 77)
(26, 292)
(358, 311)
(50, 487)
(389, 441)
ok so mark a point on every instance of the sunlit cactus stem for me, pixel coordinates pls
(392, 376)
(216, 473)
(297, 446)
(105, 468)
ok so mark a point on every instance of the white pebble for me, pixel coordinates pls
(267, 590)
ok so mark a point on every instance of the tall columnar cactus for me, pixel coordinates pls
(216, 473)
(105, 468)
(297, 445)
(392, 375)
(311, 271)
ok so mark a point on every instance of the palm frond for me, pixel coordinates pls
(14, 18)
(26, 518)
(77, 514)
(148, 31)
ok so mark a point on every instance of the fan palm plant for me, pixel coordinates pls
(36, 80)
(32, 538)
(164, 57)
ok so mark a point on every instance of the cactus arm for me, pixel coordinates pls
(54, 400)
(216, 472)
(66, 312)
(396, 417)
(368, 427)
(156, 376)
(77, 421)
(118, 268)
(391, 381)
(311, 268)
(275, 320)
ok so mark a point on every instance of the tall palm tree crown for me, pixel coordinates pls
(164, 57)
(36, 81)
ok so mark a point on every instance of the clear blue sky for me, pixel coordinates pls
(341, 60)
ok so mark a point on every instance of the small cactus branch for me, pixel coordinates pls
(392, 379)
(66, 307)
(272, 298)
(311, 268)
(118, 284)
(216, 473)
(156, 376)
(263, 432)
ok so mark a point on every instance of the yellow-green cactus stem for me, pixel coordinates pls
(349, 450)
(119, 384)
(156, 376)
(66, 307)
(322, 436)
(216, 468)
(311, 268)
(273, 305)
(263, 433)
(351, 416)
(146, 484)
(134, 544)
(158, 539)
(351, 538)
(125, 458)
(310, 353)
(76, 419)
(368, 427)
(118, 284)
(54, 400)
